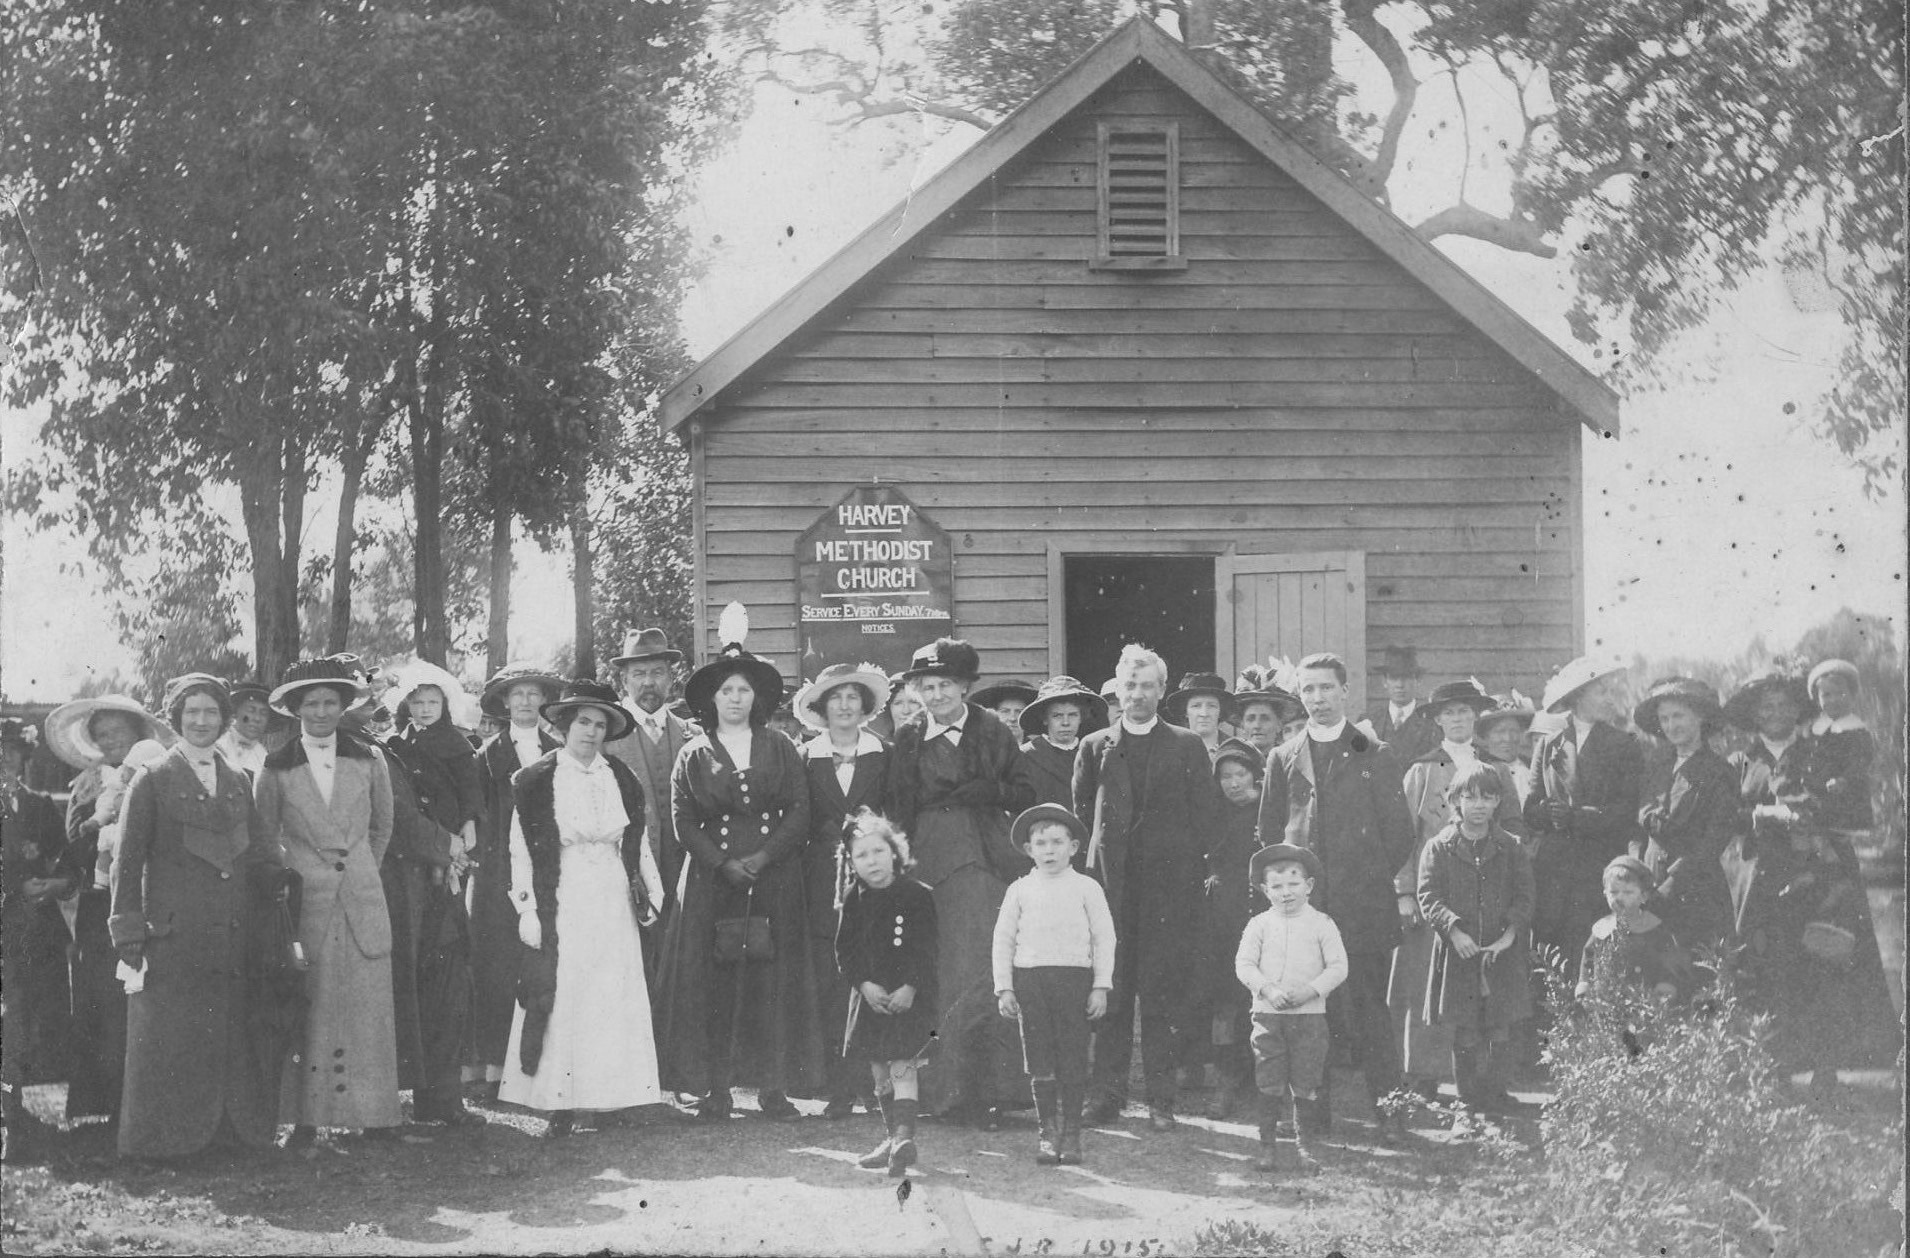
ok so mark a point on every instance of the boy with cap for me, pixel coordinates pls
(1290, 958)
(1054, 966)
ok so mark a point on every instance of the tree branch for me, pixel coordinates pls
(1361, 20)
(1520, 235)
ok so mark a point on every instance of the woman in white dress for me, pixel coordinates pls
(582, 880)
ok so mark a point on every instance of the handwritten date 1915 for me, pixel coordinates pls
(1152, 1247)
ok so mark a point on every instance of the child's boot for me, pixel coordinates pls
(878, 1157)
(1047, 1113)
(1303, 1162)
(1268, 1162)
(1072, 1098)
(1465, 1072)
(902, 1142)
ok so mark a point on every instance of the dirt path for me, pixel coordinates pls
(659, 1183)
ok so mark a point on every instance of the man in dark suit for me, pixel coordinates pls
(1583, 809)
(1336, 791)
(647, 673)
(1147, 791)
(1399, 718)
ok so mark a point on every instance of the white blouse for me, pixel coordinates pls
(589, 811)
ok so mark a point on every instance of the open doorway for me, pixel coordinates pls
(1165, 602)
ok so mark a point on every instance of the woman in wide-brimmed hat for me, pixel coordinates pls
(582, 881)
(93, 735)
(1502, 734)
(193, 854)
(732, 1017)
(1689, 813)
(515, 695)
(955, 780)
(1263, 712)
(1201, 704)
(1062, 712)
(845, 764)
(326, 798)
(1006, 699)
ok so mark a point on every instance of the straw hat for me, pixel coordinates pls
(334, 672)
(66, 728)
(491, 701)
(1689, 691)
(1833, 668)
(1509, 707)
(1063, 689)
(582, 692)
(1565, 684)
(868, 678)
(410, 678)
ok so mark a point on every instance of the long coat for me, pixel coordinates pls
(33, 951)
(1365, 837)
(889, 938)
(767, 1012)
(1161, 828)
(494, 946)
(1051, 771)
(444, 773)
(430, 952)
(1688, 819)
(180, 886)
(1483, 890)
(1600, 781)
(347, 1073)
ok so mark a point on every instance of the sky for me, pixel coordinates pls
(1715, 518)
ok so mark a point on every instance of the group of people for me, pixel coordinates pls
(284, 905)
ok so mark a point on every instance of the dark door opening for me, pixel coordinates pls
(1164, 602)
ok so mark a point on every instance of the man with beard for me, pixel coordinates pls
(647, 673)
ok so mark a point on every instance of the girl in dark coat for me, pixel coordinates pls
(445, 768)
(1476, 890)
(741, 803)
(191, 845)
(845, 765)
(886, 952)
(1230, 903)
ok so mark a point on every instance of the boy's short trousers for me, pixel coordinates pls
(1054, 1020)
(1289, 1052)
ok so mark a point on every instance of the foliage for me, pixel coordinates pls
(1695, 1142)
(643, 538)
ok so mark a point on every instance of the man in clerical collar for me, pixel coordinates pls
(1148, 789)
(1336, 790)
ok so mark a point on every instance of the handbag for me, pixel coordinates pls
(1829, 942)
(745, 938)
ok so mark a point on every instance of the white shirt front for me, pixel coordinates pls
(321, 756)
(201, 760)
(1401, 711)
(820, 748)
(953, 729)
(587, 799)
(650, 723)
(1462, 754)
(526, 743)
(247, 755)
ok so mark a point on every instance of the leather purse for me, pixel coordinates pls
(746, 938)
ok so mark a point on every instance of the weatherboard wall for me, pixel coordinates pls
(1291, 390)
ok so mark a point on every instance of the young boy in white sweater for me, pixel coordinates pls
(1054, 964)
(1290, 958)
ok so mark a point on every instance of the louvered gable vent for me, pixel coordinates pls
(1140, 191)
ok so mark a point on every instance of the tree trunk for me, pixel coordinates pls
(498, 638)
(582, 579)
(269, 501)
(429, 636)
(1196, 23)
(357, 454)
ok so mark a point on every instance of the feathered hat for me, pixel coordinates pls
(732, 630)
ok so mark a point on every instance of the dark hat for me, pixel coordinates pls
(945, 657)
(1192, 684)
(1014, 688)
(646, 644)
(1040, 813)
(732, 630)
(491, 701)
(242, 690)
(1274, 854)
(1687, 690)
(582, 692)
(1244, 753)
(18, 733)
(1508, 707)
(340, 673)
(1256, 685)
(1094, 709)
(1468, 692)
(1741, 708)
(868, 678)
(1398, 661)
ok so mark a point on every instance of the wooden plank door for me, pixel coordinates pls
(1294, 605)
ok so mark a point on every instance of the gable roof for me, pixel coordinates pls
(1139, 40)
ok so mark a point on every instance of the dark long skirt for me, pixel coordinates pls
(98, 1057)
(494, 959)
(978, 1052)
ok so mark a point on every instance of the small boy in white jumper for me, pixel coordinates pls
(1290, 958)
(1054, 964)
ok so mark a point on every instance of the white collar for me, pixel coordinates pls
(240, 742)
(653, 720)
(1326, 733)
(198, 755)
(1402, 710)
(1777, 749)
(327, 743)
(1459, 752)
(935, 727)
(1148, 728)
(1842, 725)
(569, 763)
(524, 733)
(820, 748)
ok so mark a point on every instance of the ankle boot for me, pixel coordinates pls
(1271, 1112)
(902, 1143)
(1312, 1118)
(878, 1157)
(1303, 1162)
(1465, 1072)
(1047, 1113)
(1072, 1098)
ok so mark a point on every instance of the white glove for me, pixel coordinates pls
(133, 980)
(530, 931)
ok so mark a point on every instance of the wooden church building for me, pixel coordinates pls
(1137, 366)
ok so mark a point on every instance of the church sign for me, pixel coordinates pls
(875, 581)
